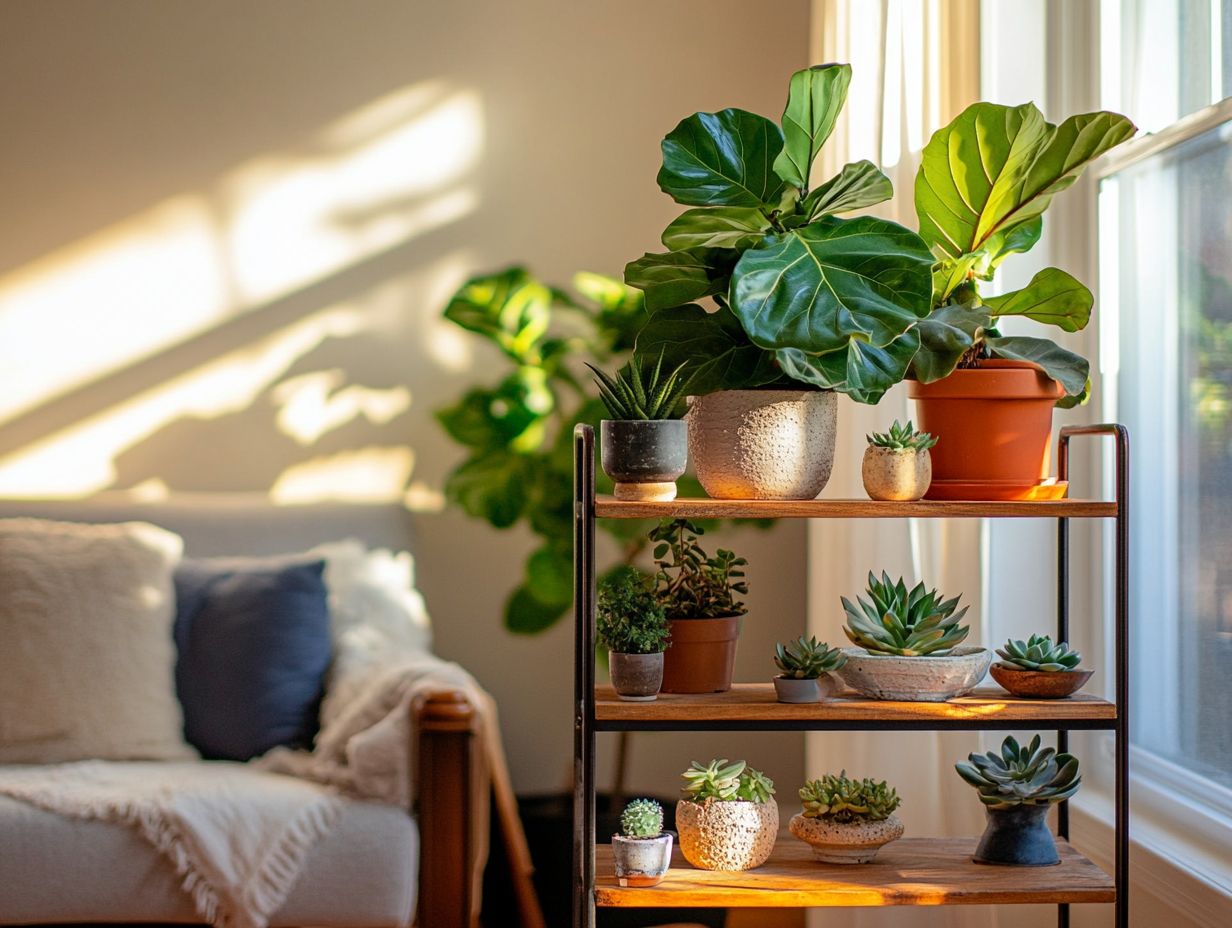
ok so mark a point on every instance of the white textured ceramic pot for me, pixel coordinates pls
(845, 842)
(734, 835)
(915, 679)
(763, 444)
(891, 474)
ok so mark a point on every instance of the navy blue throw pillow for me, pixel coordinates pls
(254, 645)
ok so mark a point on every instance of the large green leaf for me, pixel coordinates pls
(680, 276)
(722, 159)
(737, 227)
(997, 167)
(856, 186)
(719, 353)
(1052, 297)
(549, 574)
(814, 100)
(526, 614)
(1070, 369)
(490, 485)
(513, 415)
(511, 308)
(621, 309)
(862, 371)
(816, 288)
(945, 336)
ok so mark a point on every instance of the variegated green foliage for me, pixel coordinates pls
(1019, 775)
(1039, 653)
(807, 658)
(845, 800)
(726, 782)
(909, 623)
(638, 391)
(902, 438)
(642, 818)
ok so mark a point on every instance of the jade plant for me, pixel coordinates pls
(807, 658)
(983, 185)
(907, 623)
(840, 799)
(1039, 653)
(689, 582)
(629, 619)
(902, 438)
(726, 782)
(642, 818)
(639, 392)
(1021, 775)
(801, 295)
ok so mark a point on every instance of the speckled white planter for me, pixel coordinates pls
(845, 842)
(896, 475)
(726, 835)
(915, 679)
(763, 444)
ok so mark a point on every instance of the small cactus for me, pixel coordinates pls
(1039, 653)
(844, 800)
(902, 438)
(726, 782)
(807, 658)
(909, 623)
(1021, 775)
(642, 818)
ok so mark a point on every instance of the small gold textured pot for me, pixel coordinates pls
(896, 475)
(734, 835)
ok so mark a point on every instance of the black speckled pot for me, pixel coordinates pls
(1018, 836)
(644, 457)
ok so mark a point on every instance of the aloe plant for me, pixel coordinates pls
(807, 658)
(902, 438)
(642, 818)
(726, 782)
(1021, 775)
(638, 392)
(844, 800)
(908, 623)
(1039, 653)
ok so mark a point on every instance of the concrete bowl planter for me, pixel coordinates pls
(845, 842)
(915, 679)
(732, 835)
(1039, 684)
(641, 861)
(644, 457)
(636, 677)
(898, 475)
(763, 444)
(817, 689)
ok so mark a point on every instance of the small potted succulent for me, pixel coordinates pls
(1038, 669)
(847, 821)
(703, 615)
(632, 625)
(644, 446)
(806, 667)
(897, 465)
(643, 851)
(727, 819)
(1017, 786)
(908, 644)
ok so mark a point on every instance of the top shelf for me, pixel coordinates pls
(608, 507)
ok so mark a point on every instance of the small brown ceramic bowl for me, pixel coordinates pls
(1040, 684)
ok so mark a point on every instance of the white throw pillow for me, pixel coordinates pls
(87, 659)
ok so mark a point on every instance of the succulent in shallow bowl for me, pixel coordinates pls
(1039, 653)
(847, 821)
(903, 622)
(1038, 669)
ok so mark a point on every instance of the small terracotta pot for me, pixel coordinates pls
(641, 861)
(1040, 684)
(896, 475)
(636, 677)
(845, 842)
(994, 429)
(644, 457)
(734, 835)
(701, 656)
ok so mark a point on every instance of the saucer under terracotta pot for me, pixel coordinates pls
(1040, 684)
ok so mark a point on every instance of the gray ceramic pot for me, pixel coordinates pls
(1017, 835)
(789, 689)
(636, 677)
(644, 457)
(641, 861)
(914, 679)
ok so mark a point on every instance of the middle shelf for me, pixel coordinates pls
(754, 707)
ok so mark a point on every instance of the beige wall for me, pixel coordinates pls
(227, 234)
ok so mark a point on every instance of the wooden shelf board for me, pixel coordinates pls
(756, 702)
(910, 871)
(607, 507)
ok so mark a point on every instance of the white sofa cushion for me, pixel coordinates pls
(87, 662)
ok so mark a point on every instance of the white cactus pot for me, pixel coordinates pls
(716, 835)
(896, 475)
(845, 842)
(763, 444)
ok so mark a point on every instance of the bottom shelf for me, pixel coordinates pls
(911, 871)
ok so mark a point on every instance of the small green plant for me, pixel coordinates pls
(845, 800)
(909, 623)
(726, 782)
(902, 438)
(807, 658)
(1021, 775)
(690, 583)
(629, 619)
(638, 392)
(642, 818)
(1039, 653)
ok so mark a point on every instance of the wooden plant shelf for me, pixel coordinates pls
(754, 705)
(911, 871)
(607, 507)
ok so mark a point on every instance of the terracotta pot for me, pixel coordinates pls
(636, 677)
(701, 655)
(734, 835)
(994, 429)
(1040, 684)
(845, 842)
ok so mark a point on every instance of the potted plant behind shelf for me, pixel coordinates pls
(698, 593)
(984, 183)
(632, 625)
(806, 670)
(908, 644)
(727, 819)
(642, 853)
(644, 448)
(1017, 786)
(806, 304)
(1038, 669)
(897, 464)
(847, 821)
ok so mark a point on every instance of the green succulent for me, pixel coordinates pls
(638, 392)
(1021, 775)
(726, 782)
(642, 818)
(1039, 653)
(902, 438)
(909, 623)
(807, 658)
(844, 800)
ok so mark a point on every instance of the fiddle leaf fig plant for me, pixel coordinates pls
(984, 183)
(802, 295)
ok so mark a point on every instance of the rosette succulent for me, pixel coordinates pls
(807, 658)
(642, 818)
(902, 438)
(841, 799)
(1039, 653)
(1020, 775)
(726, 782)
(907, 623)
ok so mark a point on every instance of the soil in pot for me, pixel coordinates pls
(1018, 836)
(735, 835)
(994, 429)
(636, 677)
(845, 842)
(1040, 684)
(915, 679)
(641, 861)
(644, 457)
(701, 655)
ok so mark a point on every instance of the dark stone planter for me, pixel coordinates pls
(1019, 836)
(636, 677)
(644, 457)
